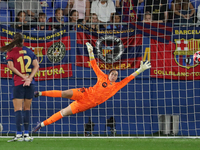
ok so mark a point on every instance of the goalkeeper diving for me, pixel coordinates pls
(86, 98)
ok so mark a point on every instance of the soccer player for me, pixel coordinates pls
(86, 98)
(23, 63)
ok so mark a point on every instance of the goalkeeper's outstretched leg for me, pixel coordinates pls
(55, 117)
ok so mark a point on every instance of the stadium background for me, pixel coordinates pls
(135, 113)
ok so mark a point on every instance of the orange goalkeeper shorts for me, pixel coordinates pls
(82, 101)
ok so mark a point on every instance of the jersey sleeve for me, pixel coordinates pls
(96, 69)
(30, 53)
(112, 7)
(9, 56)
(93, 7)
(125, 81)
(34, 56)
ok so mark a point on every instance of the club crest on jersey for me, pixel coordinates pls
(185, 49)
(109, 48)
(56, 52)
(82, 90)
(104, 84)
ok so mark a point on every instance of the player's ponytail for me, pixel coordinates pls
(17, 41)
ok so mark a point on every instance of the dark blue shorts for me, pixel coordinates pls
(23, 92)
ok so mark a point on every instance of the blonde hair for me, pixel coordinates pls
(90, 21)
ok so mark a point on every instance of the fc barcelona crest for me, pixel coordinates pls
(38, 53)
(183, 54)
(109, 48)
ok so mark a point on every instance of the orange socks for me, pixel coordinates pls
(55, 117)
(53, 93)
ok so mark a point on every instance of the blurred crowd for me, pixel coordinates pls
(99, 14)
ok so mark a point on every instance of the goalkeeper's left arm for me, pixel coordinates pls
(142, 68)
(126, 80)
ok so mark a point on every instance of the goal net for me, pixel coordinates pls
(162, 101)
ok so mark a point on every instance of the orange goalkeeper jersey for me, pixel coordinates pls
(104, 89)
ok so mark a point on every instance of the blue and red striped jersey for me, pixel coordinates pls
(22, 58)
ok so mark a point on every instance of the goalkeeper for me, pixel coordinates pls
(86, 98)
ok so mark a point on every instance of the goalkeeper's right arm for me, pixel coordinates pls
(142, 68)
(90, 50)
(93, 63)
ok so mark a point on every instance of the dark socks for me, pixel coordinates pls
(26, 121)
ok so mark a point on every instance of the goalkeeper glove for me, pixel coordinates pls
(143, 67)
(90, 50)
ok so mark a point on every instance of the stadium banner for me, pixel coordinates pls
(158, 31)
(50, 48)
(113, 49)
(174, 60)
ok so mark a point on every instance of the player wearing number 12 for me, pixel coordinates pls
(23, 63)
(86, 98)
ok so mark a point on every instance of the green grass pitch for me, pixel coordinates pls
(102, 144)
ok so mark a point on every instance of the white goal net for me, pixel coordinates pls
(163, 101)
